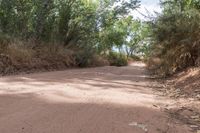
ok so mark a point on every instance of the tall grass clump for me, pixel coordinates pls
(22, 56)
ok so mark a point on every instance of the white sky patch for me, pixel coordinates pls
(147, 8)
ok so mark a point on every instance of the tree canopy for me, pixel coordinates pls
(175, 38)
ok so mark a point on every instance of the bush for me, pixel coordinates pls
(56, 54)
(4, 42)
(88, 58)
(99, 61)
(19, 53)
(117, 59)
(176, 42)
(83, 58)
(135, 58)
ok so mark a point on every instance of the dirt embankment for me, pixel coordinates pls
(185, 88)
(185, 84)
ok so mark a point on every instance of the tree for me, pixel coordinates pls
(175, 35)
(82, 23)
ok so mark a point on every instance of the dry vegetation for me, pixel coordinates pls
(184, 88)
(20, 56)
(185, 84)
(176, 44)
(47, 35)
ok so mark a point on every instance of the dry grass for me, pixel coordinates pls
(174, 60)
(20, 56)
(19, 53)
(187, 83)
(176, 42)
(99, 61)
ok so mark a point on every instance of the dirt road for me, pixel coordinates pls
(93, 100)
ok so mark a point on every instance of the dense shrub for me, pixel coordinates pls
(135, 58)
(176, 41)
(88, 58)
(99, 61)
(83, 57)
(117, 59)
(55, 27)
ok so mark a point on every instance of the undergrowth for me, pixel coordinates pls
(25, 56)
(176, 42)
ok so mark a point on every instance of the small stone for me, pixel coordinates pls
(194, 117)
(194, 126)
(133, 124)
(139, 125)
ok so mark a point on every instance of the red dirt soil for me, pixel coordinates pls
(93, 100)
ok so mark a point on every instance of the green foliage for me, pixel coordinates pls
(63, 20)
(138, 44)
(84, 58)
(176, 37)
(117, 59)
(90, 27)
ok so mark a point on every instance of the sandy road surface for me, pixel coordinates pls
(93, 100)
